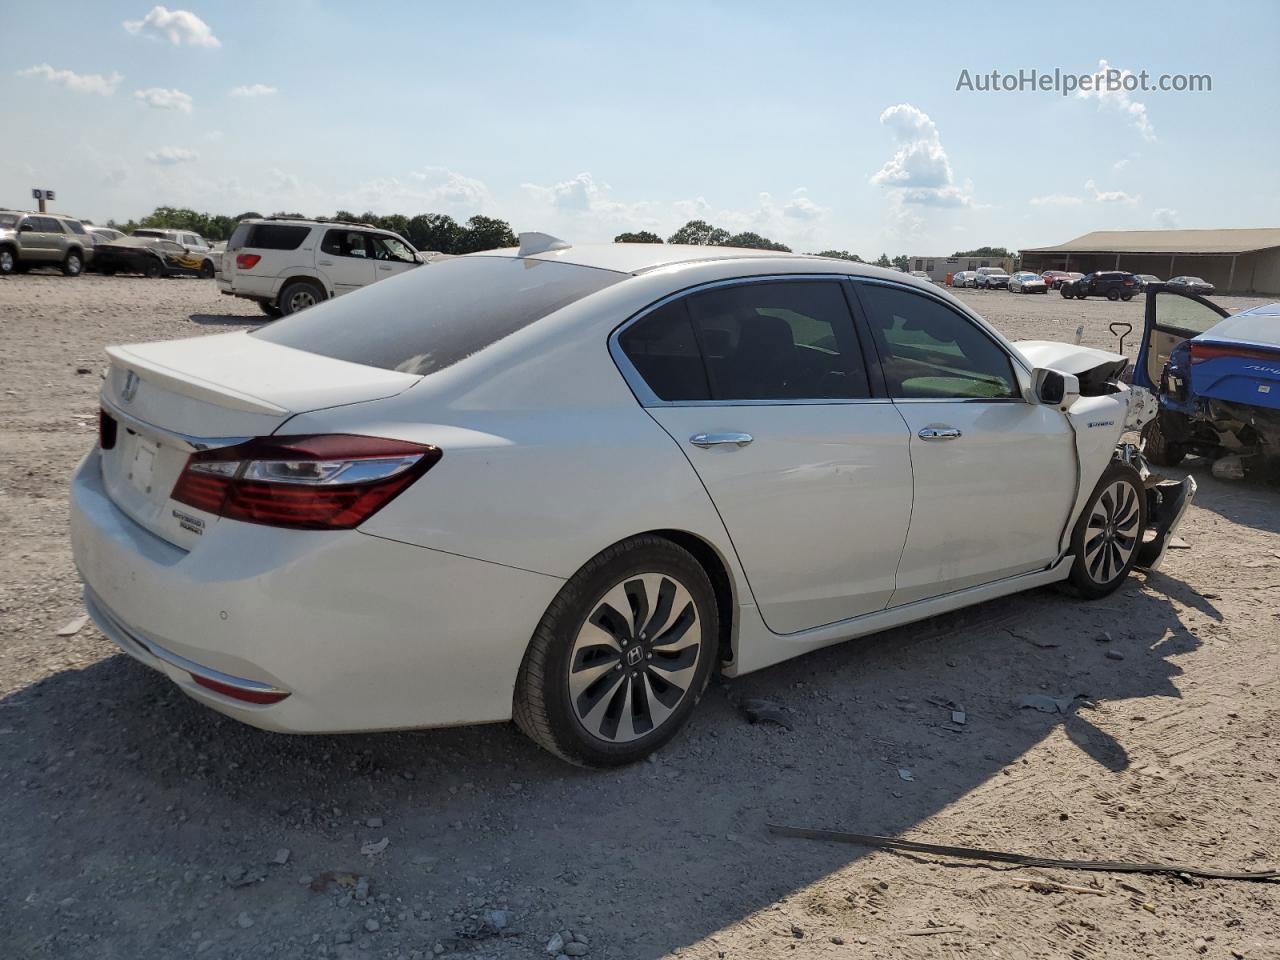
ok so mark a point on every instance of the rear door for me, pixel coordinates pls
(41, 237)
(763, 385)
(994, 475)
(345, 260)
(1171, 316)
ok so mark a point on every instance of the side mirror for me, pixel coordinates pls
(27, 227)
(1053, 388)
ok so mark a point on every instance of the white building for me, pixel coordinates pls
(939, 268)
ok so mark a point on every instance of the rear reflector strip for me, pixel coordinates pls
(239, 693)
(107, 429)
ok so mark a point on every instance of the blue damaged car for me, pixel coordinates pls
(1216, 376)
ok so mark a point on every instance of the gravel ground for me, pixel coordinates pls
(137, 824)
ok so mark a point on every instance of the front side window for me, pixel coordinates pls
(930, 351)
(1187, 316)
(389, 248)
(345, 243)
(48, 225)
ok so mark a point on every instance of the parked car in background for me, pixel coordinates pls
(285, 264)
(1192, 285)
(959, 278)
(1026, 282)
(43, 240)
(1146, 278)
(104, 233)
(151, 257)
(1216, 376)
(991, 278)
(921, 274)
(1112, 284)
(349, 545)
(1055, 278)
(189, 239)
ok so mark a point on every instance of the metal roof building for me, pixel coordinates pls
(1239, 261)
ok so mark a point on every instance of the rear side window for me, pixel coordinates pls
(276, 236)
(76, 227)
(929, 351)
(345, 243)
(663, 349)
(430, 318)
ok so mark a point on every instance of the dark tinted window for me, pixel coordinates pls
(48, 225)
(664, 351)
(779, 340)
(276, 236)
(345, 243)
(76, 226)
(928, 350)
(429, 319)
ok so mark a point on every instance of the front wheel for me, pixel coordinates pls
(621, 656)
(206, 270)
(152, 269)
(1113, 295)
(1107, 535)
(8, 262)
(1126, 297)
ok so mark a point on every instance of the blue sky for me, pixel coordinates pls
(820, 124)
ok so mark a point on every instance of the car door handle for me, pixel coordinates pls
(706, 440)
(324, 263)
(939, 433)
(384, 266)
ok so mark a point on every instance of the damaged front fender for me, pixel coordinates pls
(1167, 502)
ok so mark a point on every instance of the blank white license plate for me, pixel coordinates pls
(144, 458)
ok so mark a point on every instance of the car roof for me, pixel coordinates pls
(642, 257)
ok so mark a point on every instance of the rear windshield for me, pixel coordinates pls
(274, 236)
(438, 314)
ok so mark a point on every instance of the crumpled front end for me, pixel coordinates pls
(1167, 502)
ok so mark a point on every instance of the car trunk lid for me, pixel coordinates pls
(163, 401)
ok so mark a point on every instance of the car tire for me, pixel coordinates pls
(206, 270)
(594, 720)
(299, 295)
(73, 264)
(1082, 295)
(1109, 532)
(8, 262)
(1126, 297)
(1066, 293)
(153, 270)
(1157, 447)
(270, 309)
(1113, 295)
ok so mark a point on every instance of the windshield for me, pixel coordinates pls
(438, 314)
(8, 220)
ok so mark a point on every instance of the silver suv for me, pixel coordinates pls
(287, 264)
(43, 240)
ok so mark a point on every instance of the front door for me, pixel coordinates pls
(1170, 318)
(763, 385)
(390, 256)
(995, 475)
(345, 260)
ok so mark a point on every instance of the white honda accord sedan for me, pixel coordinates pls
(567, 484)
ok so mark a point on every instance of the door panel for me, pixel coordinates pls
(989, 503)
(345, 260)
(817, 503)
(1170, 318)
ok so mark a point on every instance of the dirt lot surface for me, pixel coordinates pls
(137, 824)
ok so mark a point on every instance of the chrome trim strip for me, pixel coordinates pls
(648, 398)
(171, 437)
(115, 629)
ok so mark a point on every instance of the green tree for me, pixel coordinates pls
(754, 241)
(700, 233)
(990, 253)
(644, 236)
(902, 262)
(435, 231)
(485, 233)
(884, 261)
(840, 255)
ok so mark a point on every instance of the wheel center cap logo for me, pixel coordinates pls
(634, 656)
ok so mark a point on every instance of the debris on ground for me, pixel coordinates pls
(959, 716)
(907, 775)
(241, 876)
(371, 848)
(281, 856)
(1042, 885)
(1038, 701)
(931, 931)
(1229, 467)
(764, 711)
(1114, 655)
(1178, 543)
(74, 627)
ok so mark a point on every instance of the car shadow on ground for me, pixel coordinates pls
(228, 320)
(112, 773)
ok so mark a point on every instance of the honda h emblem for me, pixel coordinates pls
(130, 387)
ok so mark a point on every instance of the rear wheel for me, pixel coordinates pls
(621, 656)
(299, 295)
(206, 270)
(73, 264)
(8, 262)
(1157, 447)
(152, 269)
(1113, 294)
(1126, 297)
(1107, 535)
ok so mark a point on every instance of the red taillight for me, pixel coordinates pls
(240, 693)
(316, 482)
(247, 261)
(1201, 352)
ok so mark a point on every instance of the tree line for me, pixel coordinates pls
(441, 233)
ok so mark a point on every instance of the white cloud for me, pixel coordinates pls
(1109, 196)
(428, 190)
(576, 193)
(179, 27)
(1119, 99)
(800, 207)
(170, 156)
(1056, 200)
(919, 173)
(253, 90)
(1165, 217)
(1125, 161)
(77, 82)
(162, 99)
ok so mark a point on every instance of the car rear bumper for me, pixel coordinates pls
(361, 632)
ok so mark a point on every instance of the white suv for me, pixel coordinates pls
(287, 264)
